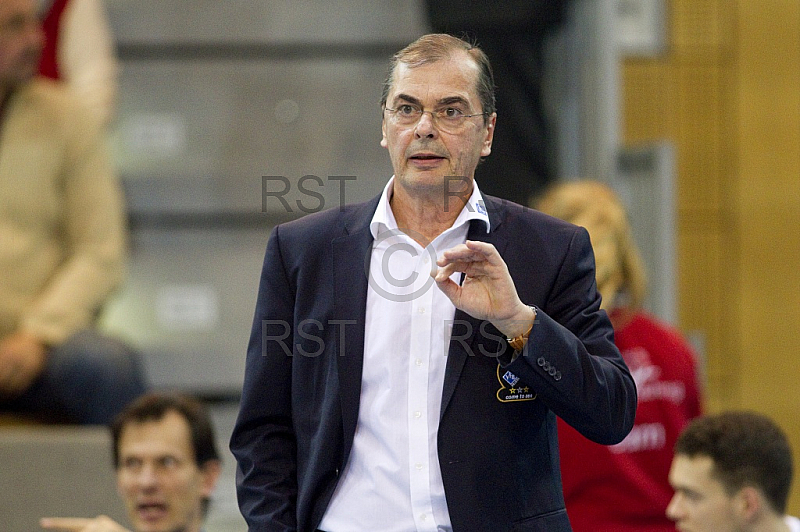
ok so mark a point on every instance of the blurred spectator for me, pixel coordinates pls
(732, 473)
(624, 487)
(79, 50)
(62, 242)
(167, 467)
(513, 34)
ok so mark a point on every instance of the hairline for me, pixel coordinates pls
(473, 91)
(473, 52)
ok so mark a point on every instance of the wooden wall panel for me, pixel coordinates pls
(699, 137)
(701, 286)
(768, 115)
(649, 90)
(684, 97)
(727, 94)
(701, 29)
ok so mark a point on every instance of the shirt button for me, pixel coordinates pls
(424, 517)
(417, 414)
(418, 362)
(418, 466)
(421, 310)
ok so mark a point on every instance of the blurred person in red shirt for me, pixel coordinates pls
(625, 487)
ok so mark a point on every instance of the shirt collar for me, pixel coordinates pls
(384, 220)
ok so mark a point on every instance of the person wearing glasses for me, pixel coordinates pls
(409, 355)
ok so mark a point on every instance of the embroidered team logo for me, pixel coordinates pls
(510, 378)
(509, 391)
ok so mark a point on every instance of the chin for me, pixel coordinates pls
(421, 181)
(154, 526)
(435, 179)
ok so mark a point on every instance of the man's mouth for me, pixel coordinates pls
(151, 511)
(426, 157)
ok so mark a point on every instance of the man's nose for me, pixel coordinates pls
(147, 476)
(674, 508)
(425, 126)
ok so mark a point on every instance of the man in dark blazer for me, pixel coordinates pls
(374, 400)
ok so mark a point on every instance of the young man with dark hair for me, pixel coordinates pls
(732, 473)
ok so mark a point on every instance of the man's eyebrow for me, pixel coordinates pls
(449, 100)
(409, 99)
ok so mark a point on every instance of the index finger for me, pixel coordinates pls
(69, 524)
(485, 248)
(470, 251)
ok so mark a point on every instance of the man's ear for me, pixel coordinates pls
(210, 471)
(486, 149)
(749, 503)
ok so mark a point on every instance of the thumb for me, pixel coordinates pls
(447, 286)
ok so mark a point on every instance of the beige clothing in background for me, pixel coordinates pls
(62, 231)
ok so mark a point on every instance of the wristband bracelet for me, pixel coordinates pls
(518, 342)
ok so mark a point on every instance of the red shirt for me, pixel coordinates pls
(624, 487)
(51, 25)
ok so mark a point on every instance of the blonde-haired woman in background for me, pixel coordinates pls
(624, 487)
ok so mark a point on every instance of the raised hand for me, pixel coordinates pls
(488, 292)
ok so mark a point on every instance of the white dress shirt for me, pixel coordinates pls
(392, 481)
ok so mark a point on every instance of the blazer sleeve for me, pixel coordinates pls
(570, 357)
(263, 439)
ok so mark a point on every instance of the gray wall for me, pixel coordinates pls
(214, 97)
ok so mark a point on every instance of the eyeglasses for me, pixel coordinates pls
(449, 119)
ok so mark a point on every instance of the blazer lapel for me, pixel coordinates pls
(457, 355)
(351, 254)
